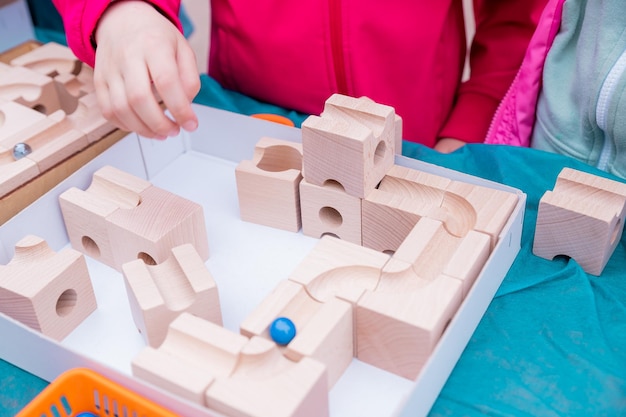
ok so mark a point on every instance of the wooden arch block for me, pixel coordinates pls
(268, 186)
(583, 218)
(324, 331)
(160, 293)
(232, 374)
(120, 218)
(319, 298)
(352, 142)
(328, 209)
(45, 290)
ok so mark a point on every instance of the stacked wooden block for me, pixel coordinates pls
(399, 248)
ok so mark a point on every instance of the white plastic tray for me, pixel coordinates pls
(246, 260)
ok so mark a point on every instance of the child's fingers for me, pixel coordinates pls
(145, 104)
(188, 68)
(167, 81)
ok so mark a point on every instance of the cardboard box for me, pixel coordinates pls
(200, 166)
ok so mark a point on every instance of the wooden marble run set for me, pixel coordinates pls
(398, 251)
(48, 113)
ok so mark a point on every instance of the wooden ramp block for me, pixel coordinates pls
(268, 186)
(45, 290)
(49, 59)
(328, 209)
(352, 142)
(324, 331)
(232, 374)
(582, 218)
(15, 117)
(160, 293)
(14, 173)
(120, 218)
(469, 258)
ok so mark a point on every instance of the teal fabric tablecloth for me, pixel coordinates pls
(553, 340)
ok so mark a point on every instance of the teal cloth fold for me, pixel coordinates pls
(553, 340)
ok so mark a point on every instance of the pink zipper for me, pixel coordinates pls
(336, 44)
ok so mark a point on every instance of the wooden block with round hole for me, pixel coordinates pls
(120, 218)
(352, 142)
(268, 185)
(583, 218)
(160, 293)
(328, 209)
(46, 290)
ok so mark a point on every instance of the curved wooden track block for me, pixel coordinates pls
(45, 290)
(268, 186)
(49, 59)
(400, 321)
(120, 218)
(583, 218)
(160, 293)
(232, 374)
(352, 142)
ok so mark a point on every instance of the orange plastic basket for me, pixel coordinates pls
(81, 390)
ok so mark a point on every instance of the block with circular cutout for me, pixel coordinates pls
(46, 290)
(352, 142)
(120, 218)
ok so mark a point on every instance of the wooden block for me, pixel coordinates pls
(14, 173)
(15, 117)
(120, 218)
(45, 290)
(352, 142)
(583, 218)
(160, 293)
(232, 374)
(52, 140)
(49, 59)
(324, 331)
(387, 219)
(328, 209)
(468, 260)
(493, 207)
(268, 185)
(29, 88)
(87, 119)
(400, 323)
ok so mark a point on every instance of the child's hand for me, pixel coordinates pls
(139, 50)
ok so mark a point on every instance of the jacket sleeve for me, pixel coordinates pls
(503, 31)
(80, 19)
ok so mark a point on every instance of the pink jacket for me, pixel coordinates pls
(514, 120)
(405, 53)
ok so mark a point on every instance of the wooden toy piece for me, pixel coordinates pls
(49, 59)
(352, 142)
(160, 293)
(120, 218)
(88, 119)
(324, 331)
(493, 207)
(14, 173)
(231, 374)
(582, 218)
(52, 140)
(328, 209)
(29, 88)
(319, 297)
(399, 323)
(15, 117)
(398, 133)
(48, 291)
(268, 185)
